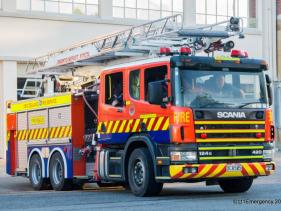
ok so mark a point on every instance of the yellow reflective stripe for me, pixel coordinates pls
(158, 123)
(129, 126)
(137, 122)
(217, 170)
(70, 131)
(61, 134)
(230, 140)
(203, 171)
(248, 169)
(150, 123)
(19, 135)
(115, 126)
(259, 168)
(40, 133)
(237, 147)
(122, 126)
(44, 135)
(231, 131)
(229, 122)
(52, 132)
(230, 157)
(166, 125)
(31, 134)
(57, 132)
(109, 127)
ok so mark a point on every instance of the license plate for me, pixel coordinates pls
(234, 167)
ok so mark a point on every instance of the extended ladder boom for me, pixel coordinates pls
(134, 42)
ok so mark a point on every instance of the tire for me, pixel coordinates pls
(56, 171)
(141, 174)
(35, 174)
(236, 185)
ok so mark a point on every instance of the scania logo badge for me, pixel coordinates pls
(227, 115)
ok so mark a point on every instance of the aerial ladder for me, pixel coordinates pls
(138, 42)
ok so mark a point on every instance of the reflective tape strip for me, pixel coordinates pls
(225, 148)
(230, 157)
(230, 140)
(231, 131)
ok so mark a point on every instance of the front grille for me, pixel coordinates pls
(230, 141)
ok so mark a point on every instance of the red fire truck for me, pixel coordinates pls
(172, 117)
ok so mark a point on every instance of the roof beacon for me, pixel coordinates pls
(239, 54)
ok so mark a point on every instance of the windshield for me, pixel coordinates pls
(218, 89)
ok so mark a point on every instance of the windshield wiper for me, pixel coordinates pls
(250, 103)
(215, 103)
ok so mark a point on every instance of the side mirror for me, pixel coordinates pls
(269, 89)
(157, 91)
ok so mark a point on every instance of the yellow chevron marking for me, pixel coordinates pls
(166, 125)
(129, 126)
(61, 134)
(36, 134)
(217, 170)
(203, 171)
(40, 133)
(144, 120)
(229, 122)
(31, 134)
(57, 132)
(8, 135)
(115, 126)
(259, 168)
(19, 135)
(25, 134)
(136, 125)
(158, 123)
(248, 169)
(229, 139)
(43, 136)
(231, 131)
(70, 131)
(185, 175)
(122, 126)
(150, 123)
(67, 132)
(53, 130)
(109, 127)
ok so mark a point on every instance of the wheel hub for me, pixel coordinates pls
(36, 173)
(57, 172)
(139, 173)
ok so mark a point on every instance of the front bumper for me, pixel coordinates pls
(210, 171)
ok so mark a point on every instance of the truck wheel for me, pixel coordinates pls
(236, 185)
(35, 174)
(141, 174)
(58, 181)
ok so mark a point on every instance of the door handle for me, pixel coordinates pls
(120, 110)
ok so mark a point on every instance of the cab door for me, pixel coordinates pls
(112, 108)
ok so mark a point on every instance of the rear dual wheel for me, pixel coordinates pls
(35, 174)
(58, 181)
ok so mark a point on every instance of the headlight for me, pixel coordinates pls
(184, 156)
(268, 154)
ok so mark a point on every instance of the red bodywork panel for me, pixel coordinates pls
(11, 129)
(77, 118)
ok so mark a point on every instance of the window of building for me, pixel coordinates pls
(114, 89)
(135, 84)
(78, 7)
(146, 9)
(153, 74)
(214, 11)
